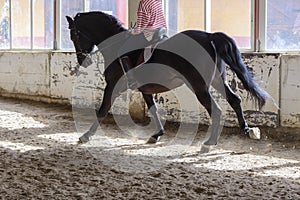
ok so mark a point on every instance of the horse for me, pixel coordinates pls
(193, 57)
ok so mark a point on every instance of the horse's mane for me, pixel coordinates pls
(112, 20)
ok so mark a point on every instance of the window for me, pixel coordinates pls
(275, 28)
(267, 25)
(190, 14)
(41, 24)
(4, 25)
(283, 25)
(233, 17)
(71, 8)
(26, 24)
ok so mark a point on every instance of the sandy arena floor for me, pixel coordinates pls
(39, 159)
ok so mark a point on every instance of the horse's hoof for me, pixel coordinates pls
(152, 140)
(204, 149)
(83, 140)
(209, 142)
(254, 133)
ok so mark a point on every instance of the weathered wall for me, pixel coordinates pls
(181, 104)
(25, 73)
(290, 91)
(47, 76)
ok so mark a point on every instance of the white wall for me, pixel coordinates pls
(25, 73)
(46, 76)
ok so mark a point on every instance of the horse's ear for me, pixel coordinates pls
(70, 20)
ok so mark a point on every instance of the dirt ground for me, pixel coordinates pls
(39, 159)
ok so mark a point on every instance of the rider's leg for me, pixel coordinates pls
(127, 65)
(134, 42)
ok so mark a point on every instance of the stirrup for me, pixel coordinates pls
(125, 63)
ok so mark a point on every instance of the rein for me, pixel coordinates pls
(85, 35)
(112, 44)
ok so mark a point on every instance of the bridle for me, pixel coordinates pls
(76, 34)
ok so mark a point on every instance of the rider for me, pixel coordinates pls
(150, 21)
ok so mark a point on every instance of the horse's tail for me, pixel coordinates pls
(228, 51)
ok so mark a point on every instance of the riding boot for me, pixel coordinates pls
(126, 65)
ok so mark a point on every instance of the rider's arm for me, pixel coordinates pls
(142, 22)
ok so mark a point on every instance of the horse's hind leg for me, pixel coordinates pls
(220, 83)
(214, 110)
(233, 99)
(153, 110)
(235, 102)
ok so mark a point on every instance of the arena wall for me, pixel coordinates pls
(50, 77)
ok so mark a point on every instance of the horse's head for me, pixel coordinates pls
(90, 29)
(82, 41)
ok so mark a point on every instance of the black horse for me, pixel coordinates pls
(193, 57)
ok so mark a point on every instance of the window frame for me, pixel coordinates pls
(261, 32)
(261, 35)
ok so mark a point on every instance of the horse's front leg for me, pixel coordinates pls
(108, 98)
(153, 111)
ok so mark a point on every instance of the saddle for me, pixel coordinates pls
(159, 36)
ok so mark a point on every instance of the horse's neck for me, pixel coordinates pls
(110, 48)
